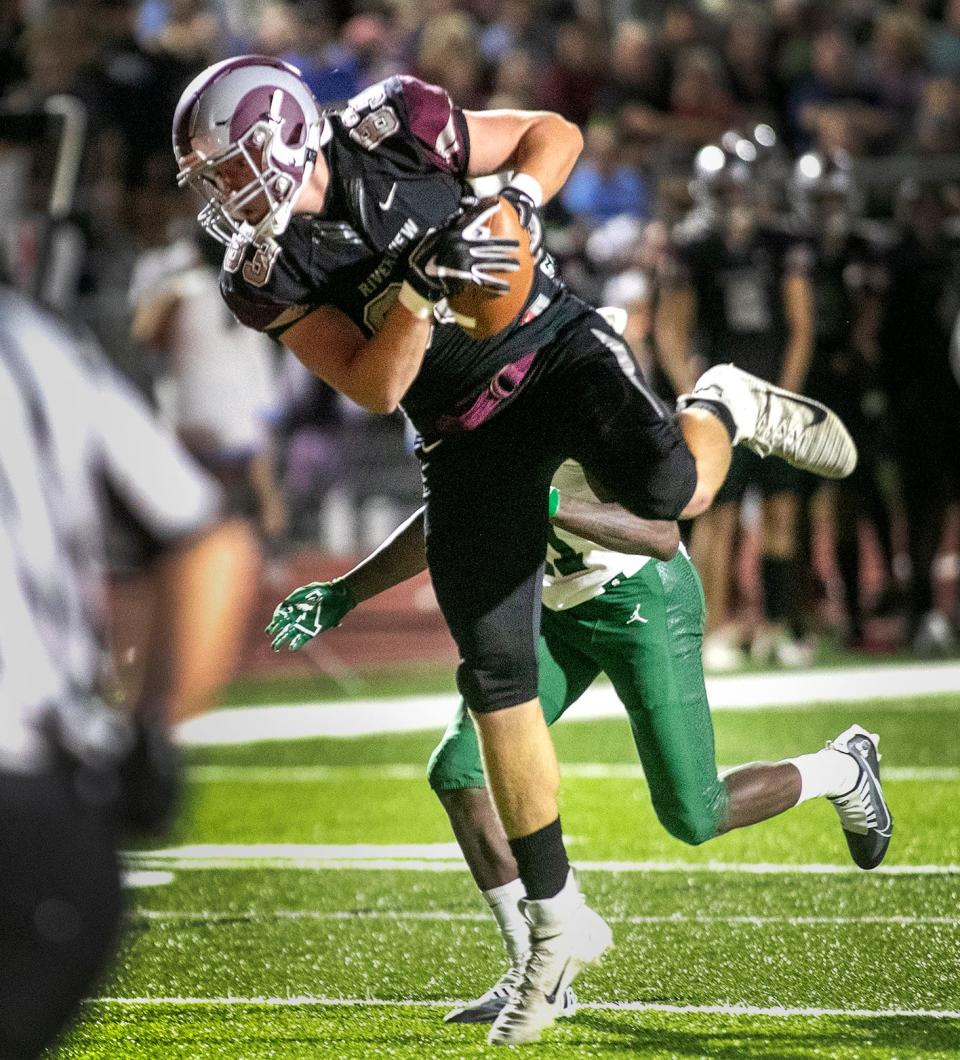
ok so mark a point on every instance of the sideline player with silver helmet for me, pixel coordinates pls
(847, 277)
(352, 263)
(735, 287)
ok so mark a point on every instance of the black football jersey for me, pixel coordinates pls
(921, 288)
(844, 273)
(739, 289)
(398, 156)
(841, 274)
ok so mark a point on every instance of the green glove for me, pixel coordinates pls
(307, 611)
(553, 502)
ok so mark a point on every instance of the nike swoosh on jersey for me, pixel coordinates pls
(424, 448)
(388, 201)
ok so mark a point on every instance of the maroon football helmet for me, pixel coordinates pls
(251, 116)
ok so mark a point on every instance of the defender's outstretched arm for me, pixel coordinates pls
(319, 606)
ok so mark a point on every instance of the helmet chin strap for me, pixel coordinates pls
(296, 193)
(316, 137)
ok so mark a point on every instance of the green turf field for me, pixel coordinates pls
(276, 937)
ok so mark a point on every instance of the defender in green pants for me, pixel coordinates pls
(615, 602)
(644, 632)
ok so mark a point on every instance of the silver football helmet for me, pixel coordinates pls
(257, 110)
(819, 178)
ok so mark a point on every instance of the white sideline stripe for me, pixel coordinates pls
(302, 851)
(575, 770)
(607, 1006)
(303, 774)
(207, 916)
(799, 688)
(446, 857)
(146, 879)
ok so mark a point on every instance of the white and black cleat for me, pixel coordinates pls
(864, 815)
(776, 422)
(488, 1006)
(566, 936)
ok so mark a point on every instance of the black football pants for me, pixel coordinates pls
(59, 903)
(486, 497)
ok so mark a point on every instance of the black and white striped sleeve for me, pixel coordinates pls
(145, 469)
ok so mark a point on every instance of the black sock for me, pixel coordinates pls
(775, 574)
(718, 409)
(542, 861)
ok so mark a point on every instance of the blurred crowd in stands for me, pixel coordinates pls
(774, 182)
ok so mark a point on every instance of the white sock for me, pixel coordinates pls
(826, 773)
(504, 901)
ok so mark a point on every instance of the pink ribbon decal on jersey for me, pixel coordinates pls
(469, 414)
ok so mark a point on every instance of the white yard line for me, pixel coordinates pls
(607, 1006)
(445, 857)
(207, 916)
(728, 692)
(575, 770)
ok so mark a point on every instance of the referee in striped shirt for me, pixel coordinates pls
(78, 449)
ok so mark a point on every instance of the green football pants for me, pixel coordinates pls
(645, 633)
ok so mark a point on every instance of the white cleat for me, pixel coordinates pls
(934, 638)
(488, 1006)
(864, 815)
(776, 422)
(565, 937)
(722, 652)
(777, 646)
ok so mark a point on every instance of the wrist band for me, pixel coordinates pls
(411, 299)
(553, 502)
(530, 187)
(340, 584)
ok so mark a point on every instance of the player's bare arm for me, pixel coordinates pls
(673, 327)
(539, 144)
(403, 555)
(319, 606)
(799, 312)
(614, 528)
(374, 372)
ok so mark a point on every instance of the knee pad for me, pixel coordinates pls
(496, 681)
(499, 641)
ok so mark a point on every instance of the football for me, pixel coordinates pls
(482, 313)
